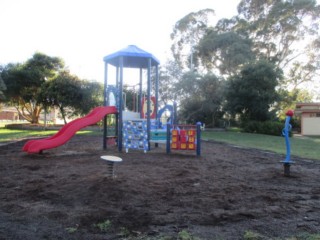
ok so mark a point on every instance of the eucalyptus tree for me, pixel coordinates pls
(186, 34)
(285, 32)
(226, 51)
(170, 75)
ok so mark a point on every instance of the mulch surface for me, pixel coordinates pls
(65, 193)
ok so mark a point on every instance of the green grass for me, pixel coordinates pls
(306, 147)
(8, 135)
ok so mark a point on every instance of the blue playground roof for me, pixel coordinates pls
(133, 57)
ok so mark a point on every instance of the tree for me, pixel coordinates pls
(24, 81)
(186, 34)
(170, 74)
(131, 98)
(284, 32)
(226, 51)
(200, 98)
(92, 96)
(252, 93)
(289, 99)
(2, 86)
(72, 96)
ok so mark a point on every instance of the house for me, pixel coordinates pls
(9, 114)
(310, 118)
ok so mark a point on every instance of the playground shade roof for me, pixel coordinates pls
(133, 57)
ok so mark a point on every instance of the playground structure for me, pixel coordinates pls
(130, 57)
(138, 130)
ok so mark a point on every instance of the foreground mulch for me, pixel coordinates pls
(65, 193)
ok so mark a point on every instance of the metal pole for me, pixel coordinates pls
(168, 138)
(140, 95)
(157, 95)
(120, 105)
(105, 127)
(148, 102)
(198, 139)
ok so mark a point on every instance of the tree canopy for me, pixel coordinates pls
(42, 82)
(186, 34)
(200, 98)
(71, 95)
(224, 51)
(24, 81)
(252, 93)
(2, 87)
(283, 34)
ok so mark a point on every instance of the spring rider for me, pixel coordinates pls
(285, 132)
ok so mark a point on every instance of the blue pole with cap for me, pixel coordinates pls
(285, 132)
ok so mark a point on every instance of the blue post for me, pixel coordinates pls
(168, 138)
(198, 138)
(121, 107)
(149, 101)
(285, 132)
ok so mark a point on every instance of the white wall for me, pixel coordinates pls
(311, 126)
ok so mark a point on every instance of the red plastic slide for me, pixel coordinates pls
(68, 130)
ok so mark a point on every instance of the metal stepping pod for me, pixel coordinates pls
(111, 160)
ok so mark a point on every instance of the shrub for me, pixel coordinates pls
(269, 128)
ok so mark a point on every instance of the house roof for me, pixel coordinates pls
(307, 108)
(8, 109)
(316, 104)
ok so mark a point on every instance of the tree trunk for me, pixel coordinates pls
(36, 115)
(62, 114)
(213, 122)
(30, 115)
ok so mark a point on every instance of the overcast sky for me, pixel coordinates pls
(82, 32)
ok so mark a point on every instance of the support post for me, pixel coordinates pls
(104, 144)
(149, 102)
(198, 138)
(157, 96)
(140, 94)
(120, 120)
(118, 106)
(168, 139)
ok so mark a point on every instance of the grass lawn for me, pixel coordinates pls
(8, 135)
(306, 147)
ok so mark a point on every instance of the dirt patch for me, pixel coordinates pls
(65, 194)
